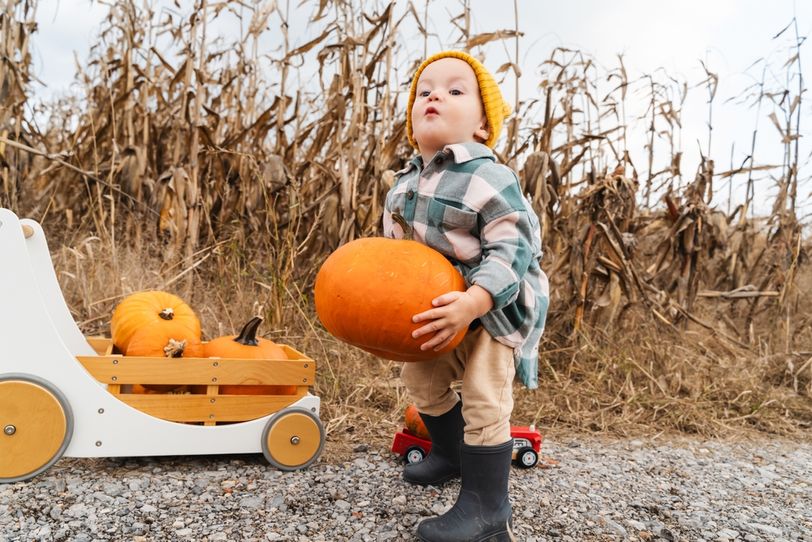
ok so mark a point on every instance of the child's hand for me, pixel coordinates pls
(452, 313)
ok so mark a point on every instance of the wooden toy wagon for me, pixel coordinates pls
(61, 392)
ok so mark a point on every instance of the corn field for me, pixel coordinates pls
(227, 172)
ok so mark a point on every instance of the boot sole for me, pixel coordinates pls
(501, 536)
(431, 482)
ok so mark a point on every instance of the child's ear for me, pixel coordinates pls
(483, 133)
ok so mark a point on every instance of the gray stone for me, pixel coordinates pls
(113, 490)
(615, 528)
(55, 512)
(252, 502)
(767, 529)
(636, 525)
(727, 534)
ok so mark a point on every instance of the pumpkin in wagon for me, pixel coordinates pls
(157, 341)
(167, 311)
(247, 345)
(367, 291)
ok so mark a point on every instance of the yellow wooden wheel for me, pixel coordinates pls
(36, 425)
(292, 439)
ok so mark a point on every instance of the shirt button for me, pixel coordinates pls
(410, 194)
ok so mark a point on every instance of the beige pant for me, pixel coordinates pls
(486, 368)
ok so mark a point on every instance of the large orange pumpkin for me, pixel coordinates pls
(247, 345)
(414, 422)
(153, 307)
(157, 341)
(368, 290)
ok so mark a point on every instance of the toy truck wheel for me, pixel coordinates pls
(527, 458)
(292, 439)
(36, 425)
(415, 454)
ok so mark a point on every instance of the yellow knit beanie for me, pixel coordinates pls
(496, 109)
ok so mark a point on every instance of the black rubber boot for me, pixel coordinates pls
(482, 511)
(443, 462)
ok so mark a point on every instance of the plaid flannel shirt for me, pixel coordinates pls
(472, 210)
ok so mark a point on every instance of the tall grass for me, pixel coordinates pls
(227, 173)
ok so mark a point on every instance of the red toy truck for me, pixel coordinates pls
(526, 445)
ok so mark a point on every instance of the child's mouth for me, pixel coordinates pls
(431, 111)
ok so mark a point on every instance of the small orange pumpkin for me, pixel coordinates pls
(367, 291)
(414, 422)
(156, 340)
(152, 307)
(247, 345)
(138, 389)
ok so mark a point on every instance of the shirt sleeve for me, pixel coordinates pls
(388, 224)
(506, 238)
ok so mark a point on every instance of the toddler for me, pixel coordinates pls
(458, 200)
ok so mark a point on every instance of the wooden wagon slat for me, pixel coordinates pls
(199, 371)
(101, 345)
(104, 346)
(206, 408)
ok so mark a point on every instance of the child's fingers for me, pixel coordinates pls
(445, 343)
(430, 314)
(436, 342)
(445, 299)
(433, 314)
(443, 335)
(431, 327)
(441, 303)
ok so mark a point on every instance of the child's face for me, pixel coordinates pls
(447, 108)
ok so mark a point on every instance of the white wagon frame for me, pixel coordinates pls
(61, 393)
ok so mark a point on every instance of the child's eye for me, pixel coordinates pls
(456, 92)
(423, 93)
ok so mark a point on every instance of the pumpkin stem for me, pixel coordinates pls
(408, 231)
(174, 349)
(167, 314)
(248, 335)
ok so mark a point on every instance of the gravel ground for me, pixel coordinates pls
(585, 488)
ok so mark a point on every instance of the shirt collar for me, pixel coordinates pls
(460, 152)
(465, 152)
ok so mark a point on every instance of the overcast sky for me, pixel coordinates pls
(729, 35)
